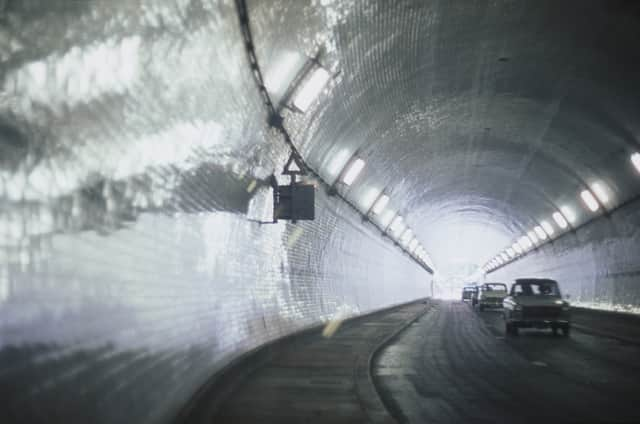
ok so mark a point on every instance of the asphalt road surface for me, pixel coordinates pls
(455, 365)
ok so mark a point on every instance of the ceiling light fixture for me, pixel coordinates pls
(540, 232)
(353, 171)
(312, 88)
(589, 199)
(547, 228)
(525, 243)
(601, 192)
(635, 160)
(560, 220)
(380, 204)
(532, 237)
(568, 213)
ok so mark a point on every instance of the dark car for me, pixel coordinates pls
(536, 303)
(470, 294)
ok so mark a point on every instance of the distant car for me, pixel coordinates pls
(536, 303)
(469, 293)
(491, 295)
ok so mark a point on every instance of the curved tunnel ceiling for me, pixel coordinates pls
(479, 118)
(482, 118)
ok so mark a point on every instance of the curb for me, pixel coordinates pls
(208, 398)
(366, 389)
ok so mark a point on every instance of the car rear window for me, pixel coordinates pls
(536, 288)
(495, 287)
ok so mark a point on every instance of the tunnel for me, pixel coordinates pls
(445, 144)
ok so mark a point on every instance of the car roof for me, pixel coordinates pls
(535, 280)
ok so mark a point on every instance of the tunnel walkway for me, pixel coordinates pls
(312, 378)
(455, 365)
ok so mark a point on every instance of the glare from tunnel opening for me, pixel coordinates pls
(562, 223)
(568, 213)
(311, 89)
(601, 192)
(540, 232)
(635, 160)
(380, 204)
(548, 228)
(353, 171)
(589, 199)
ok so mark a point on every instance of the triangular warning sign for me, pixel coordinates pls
(294, 166)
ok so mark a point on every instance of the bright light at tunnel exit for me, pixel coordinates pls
(590, 200)
(353, 171)
(380, 204)
(562, 223)
(635, 160)
(311, 89)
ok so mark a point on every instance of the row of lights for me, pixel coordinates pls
(594, 198)
(379, 202)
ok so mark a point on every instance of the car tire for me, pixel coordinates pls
(566, 329)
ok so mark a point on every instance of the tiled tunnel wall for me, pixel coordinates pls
(124, 326)
(134, 157)
(597, 265)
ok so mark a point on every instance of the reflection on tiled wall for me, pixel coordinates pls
(133, 158)
(597, 265)
(124, 326)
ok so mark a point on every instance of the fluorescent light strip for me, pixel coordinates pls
(515, 246)
(540, 232)
(532, 237)
(311, 89)
(601, 192)
(635, 160)
(590, 200)
(562, 223)
(380, 204)
(547, 228)
(353, 171)
(568, 213)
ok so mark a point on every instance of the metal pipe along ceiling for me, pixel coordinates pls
(135, 156)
